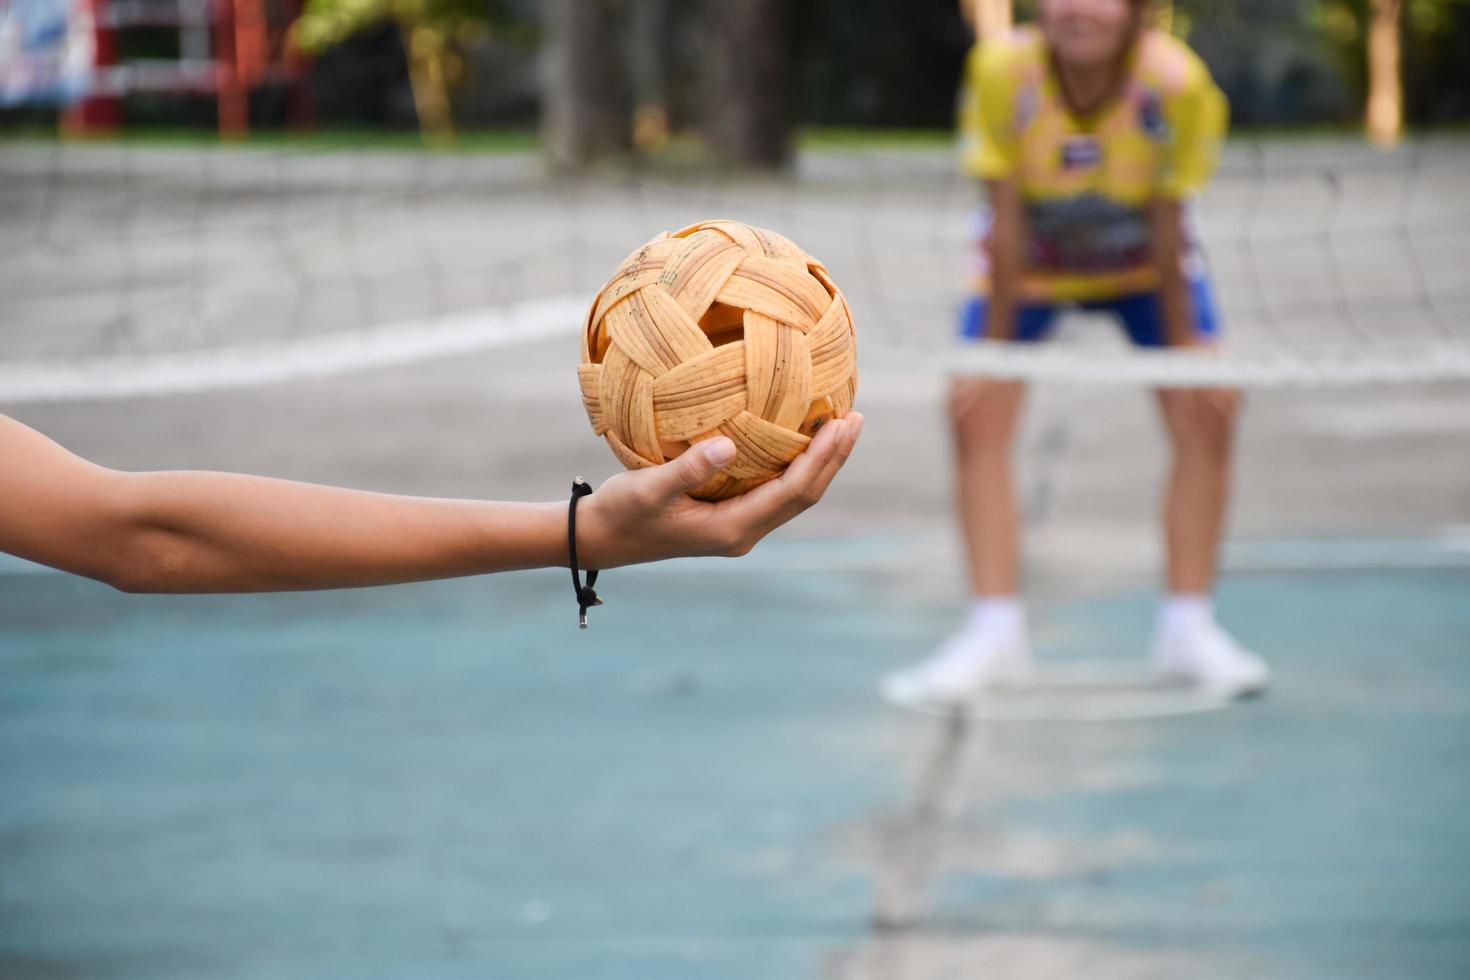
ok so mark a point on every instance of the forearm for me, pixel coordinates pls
(224, 532)
(1005, 281)
(1178, 308)
(1168, 255)
(1006, 246)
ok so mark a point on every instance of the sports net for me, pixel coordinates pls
(138, 268)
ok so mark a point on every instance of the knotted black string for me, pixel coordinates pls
(586, 596)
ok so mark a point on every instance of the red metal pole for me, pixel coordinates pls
(232, 97)
(251, 53)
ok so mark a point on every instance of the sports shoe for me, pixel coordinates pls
(1205, 655)
(964, 666)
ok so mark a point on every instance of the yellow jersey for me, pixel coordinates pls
(1087, 182)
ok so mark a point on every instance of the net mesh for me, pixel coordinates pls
(141, 269)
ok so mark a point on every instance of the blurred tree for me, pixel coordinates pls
(434, 34)
(363, 82)
(583, 112)
(744, 61)
(1270, 58)
(650, 51)
(615, 73)
(1385, 110)
(1433, 35)
(1437, 60)
(879, 63)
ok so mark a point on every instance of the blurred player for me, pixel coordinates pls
(1091, 131)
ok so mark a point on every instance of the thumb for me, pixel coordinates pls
(697, 463)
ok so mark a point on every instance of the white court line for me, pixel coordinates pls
(390, 345)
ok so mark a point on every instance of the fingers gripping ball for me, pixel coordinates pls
(721, 328)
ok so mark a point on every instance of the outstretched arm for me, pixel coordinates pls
(1007, 242)
(229, 532)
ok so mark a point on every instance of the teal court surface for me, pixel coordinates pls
(450, 781)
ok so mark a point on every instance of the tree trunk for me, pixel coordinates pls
(744, 91)
(584, 115)
(1385, 115)
(426, 78)
(649, 53)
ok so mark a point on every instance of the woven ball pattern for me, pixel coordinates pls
(721, 328)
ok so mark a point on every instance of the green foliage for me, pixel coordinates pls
(435, 33)
(1436, 35)
(324, 23)
(1436, 69)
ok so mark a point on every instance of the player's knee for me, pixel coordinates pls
(1202, 419)
(983, 412)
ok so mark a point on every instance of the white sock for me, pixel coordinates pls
(1181, 611)
(1003, 617)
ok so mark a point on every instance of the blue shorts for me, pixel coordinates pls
(1140, 314)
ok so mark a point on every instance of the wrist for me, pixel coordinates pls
(594, 543)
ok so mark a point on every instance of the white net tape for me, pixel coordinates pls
(1429, 360)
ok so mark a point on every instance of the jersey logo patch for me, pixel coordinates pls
(1151, 117)
(1081, 153)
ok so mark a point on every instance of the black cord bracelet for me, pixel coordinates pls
(586, 597)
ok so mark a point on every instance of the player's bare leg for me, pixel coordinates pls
(991, 648)
(1201, 424)
(984, 415)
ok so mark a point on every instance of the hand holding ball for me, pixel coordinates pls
(718, 329)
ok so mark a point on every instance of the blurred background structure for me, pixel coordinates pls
(601, 75)
(351, 241)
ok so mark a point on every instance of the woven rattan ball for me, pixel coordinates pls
(721, 328)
